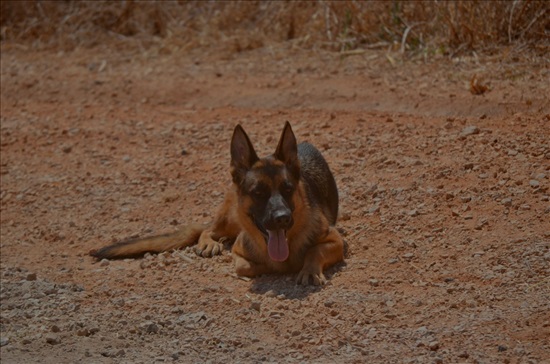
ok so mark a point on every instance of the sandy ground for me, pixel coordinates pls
(444, 204)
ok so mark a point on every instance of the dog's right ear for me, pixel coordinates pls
(287, 150)
(243, 155)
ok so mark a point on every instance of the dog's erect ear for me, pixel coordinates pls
(287, 150)
(243, 155)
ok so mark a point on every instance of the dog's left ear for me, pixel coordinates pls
(287, 150)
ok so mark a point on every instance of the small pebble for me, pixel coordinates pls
(433, 345)
(31, 277)
(506, 202)
(534, 183)
(413, 213)
(373, 209)
(83, 332)
(53, 339)
(255, 305)
(149, 327)
(469, 130)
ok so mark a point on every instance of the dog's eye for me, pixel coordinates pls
(260, 192)
(287, 189)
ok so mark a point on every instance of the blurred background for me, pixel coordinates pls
(430, 27)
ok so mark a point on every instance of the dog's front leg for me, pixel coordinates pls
(212, 239)
(328, 251)
(207, 246)
(249, 258)
(225, 227)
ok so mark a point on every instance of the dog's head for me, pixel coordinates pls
(267, 187)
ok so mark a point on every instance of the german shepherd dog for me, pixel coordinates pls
(280, 212)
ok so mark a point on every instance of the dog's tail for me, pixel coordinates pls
(154, 244)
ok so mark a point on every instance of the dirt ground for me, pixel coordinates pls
(444, 204)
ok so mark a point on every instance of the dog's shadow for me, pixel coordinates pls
(285, 286)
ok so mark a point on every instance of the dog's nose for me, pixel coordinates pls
(282, 218)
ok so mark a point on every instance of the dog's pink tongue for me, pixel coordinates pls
(277, 245)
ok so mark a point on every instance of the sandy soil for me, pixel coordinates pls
(444, 204)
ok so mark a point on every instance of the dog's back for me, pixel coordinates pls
(319, 181)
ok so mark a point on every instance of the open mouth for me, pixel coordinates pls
(277, 245)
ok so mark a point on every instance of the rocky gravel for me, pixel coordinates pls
(445, 208)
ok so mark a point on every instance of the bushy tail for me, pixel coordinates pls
(154, 244)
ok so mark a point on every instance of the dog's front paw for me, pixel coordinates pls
(208, 248)
(311, 276)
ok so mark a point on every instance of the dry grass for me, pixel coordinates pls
(410, 26)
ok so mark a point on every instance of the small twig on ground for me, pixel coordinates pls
(327, 21)
(352, 52)
(510, 21)
(541, 13)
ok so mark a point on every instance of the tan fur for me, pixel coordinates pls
(154, 244)
(313, 243)
(250, 250)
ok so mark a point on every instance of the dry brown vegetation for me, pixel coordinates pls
(429, 27)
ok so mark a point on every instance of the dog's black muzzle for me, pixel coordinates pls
(278, 215)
